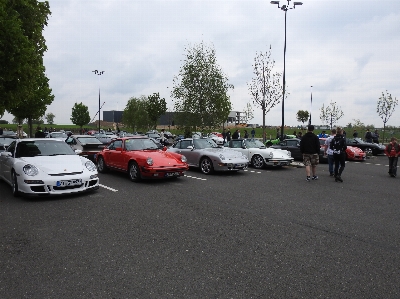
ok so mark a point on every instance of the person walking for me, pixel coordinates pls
(329, 152)
(253, 133)
(224, 135)
(338, 146)
(309, 147)
(228, 136)
(392, 150)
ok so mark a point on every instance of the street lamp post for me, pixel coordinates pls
(285, 8)
(99, 73)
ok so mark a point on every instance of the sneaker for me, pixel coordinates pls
(308, 179)
(338, 179)
(315, 177)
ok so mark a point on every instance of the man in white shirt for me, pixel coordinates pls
(329, 152)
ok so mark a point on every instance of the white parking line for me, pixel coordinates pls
(109, 188)
(196, 178)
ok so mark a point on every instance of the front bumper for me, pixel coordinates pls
(278, 162)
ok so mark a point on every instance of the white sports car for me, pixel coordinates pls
(258, 154)
(44, 166)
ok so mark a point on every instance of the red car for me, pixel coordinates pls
(352, 152)
(141, 158)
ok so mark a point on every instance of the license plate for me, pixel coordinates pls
(69, 183)
(172, 174)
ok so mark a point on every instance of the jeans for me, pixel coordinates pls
(339, 159)
(393, 165)
(331, 162)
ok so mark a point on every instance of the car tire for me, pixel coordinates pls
(134, 172)
(206, 166)
(14, 184)
(257, 161)
(101, 165)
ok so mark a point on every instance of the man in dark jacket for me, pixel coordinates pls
(338, 146)
(39, 133)
(309, 147)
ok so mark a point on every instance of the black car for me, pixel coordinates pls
(87, 145)
(369, 148)
(293, 145)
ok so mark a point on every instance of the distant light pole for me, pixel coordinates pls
(309, 122)
(285, 9)
(99, 73)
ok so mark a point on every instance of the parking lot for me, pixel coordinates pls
(254, 234)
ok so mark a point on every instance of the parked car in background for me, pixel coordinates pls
(258, 155)
(270, 142)
(57, 135)
(205, 154)
(9, 133)
(369, 148)
(217, 139)
(104, 138)
(42, 166)
(87, 145)
(169, 135)
(140, 158)
(293, 145)
(352, 153)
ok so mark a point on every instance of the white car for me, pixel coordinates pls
(44, 166)
(217, 139)
(259, 155)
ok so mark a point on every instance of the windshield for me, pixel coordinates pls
(42, 148)
(139, 144)
(89, 140)
(254, 143)
(204, 143)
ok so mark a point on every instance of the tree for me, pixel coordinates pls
(201, 90)
(80, 115)
(50, 118)
(249, 112)
(135, 114)
(21, 52)
(265, 87)
(385, 108)
(331, 114)
(302, 116)
(155, 108)
(357, 124)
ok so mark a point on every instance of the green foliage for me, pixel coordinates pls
(21, 54)
(135, 114)
(3, 121)
(80, 115)
(155, 107)
(50, 118)
(201, 90)
(302, 116)
(331, 114)
(385, 108)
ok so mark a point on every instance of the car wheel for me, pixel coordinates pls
(206, 166)
(101, 165)
(14, 184)
(368, 151)
(257, 161)
(134, 172)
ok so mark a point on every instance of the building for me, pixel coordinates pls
(112, 116)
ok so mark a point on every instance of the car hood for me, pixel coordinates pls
(227, 152)
(160, 156)
(56, 164)
(354, 149)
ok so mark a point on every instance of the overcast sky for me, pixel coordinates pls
(349, 51)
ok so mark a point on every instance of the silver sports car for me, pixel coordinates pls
(208, 156)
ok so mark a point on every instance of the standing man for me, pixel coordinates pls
(355, 134)
(224, 135)
(309, 147)
(329, 152)
(253, 133)
(39, 133)
(392, 150)
(236, 134)
(162, 137)
(368, 136)
(338, 146)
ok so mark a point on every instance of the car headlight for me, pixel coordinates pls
(289, 153)
(90, 166)
(221, 156)
(30, 170)
(183, 159)
(149, 161)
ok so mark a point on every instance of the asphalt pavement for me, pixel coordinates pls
(253, 234)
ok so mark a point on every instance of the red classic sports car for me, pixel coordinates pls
(352, 152)
(141, 158)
